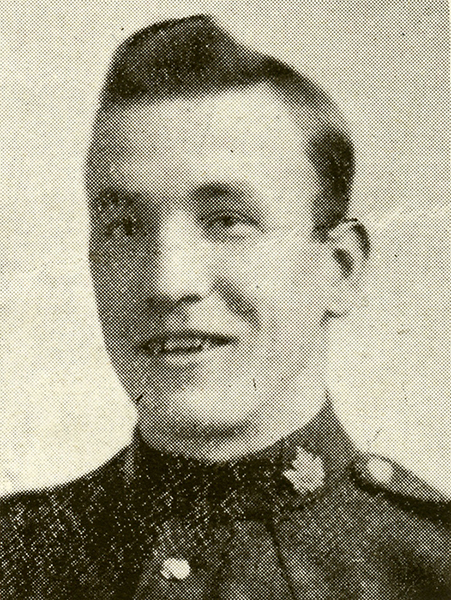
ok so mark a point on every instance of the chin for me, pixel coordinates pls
(196, 412)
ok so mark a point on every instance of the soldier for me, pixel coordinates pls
(218, 181)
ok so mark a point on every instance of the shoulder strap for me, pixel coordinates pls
(377, 474)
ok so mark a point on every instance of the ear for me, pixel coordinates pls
(347, 248)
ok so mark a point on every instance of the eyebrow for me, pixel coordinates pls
(239, 193)
(114, 196)
(211, 191)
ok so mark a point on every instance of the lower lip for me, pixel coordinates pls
(188, 358)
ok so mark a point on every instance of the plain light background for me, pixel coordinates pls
(386, 63)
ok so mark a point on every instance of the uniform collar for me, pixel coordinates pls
(294, 471)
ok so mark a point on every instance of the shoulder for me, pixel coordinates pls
(401, 513)
(58, 517)
(398, 522)
(384, 478)
(409, 522)
(377, 497)
(396, 508)
(51, 538)
(380, 524)
(53, 501)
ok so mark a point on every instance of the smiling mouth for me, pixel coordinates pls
(173, 345)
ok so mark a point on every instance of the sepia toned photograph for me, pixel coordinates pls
(225, 251)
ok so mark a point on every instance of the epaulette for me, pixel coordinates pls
(379, 475)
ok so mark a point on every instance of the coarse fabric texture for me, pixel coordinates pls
(303, 519)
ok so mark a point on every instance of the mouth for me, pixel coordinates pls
(183, 344)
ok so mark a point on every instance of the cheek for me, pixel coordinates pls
(281, 287)
(115, 292)
(293, 298)
(282, 275)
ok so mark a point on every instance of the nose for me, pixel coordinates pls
(180, 267)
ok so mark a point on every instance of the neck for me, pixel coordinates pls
(276, 419)
(291, 408)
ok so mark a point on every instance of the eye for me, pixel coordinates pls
(127, 226)
(105, 200)
(117, 214)
(108, 200)
(230, 225)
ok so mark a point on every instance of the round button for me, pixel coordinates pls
(380, 470)
(174, 568)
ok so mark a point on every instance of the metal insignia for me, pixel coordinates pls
(307, 472)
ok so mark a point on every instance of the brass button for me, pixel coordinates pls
(174, 568)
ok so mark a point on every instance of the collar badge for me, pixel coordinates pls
(307, 472)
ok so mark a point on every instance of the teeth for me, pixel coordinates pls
(184, 344)
(180, 344)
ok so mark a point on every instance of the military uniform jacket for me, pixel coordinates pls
(309, 519)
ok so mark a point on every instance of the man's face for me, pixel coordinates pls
(208, 281)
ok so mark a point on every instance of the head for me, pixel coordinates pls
(219, 182)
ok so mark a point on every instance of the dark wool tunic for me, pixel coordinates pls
(309, 518)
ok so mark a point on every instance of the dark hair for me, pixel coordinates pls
(193, 56)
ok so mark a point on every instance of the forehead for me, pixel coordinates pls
(247, 135)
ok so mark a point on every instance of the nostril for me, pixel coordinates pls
(162, 305)
(190, 299)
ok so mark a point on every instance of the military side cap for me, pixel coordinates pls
(379, 475)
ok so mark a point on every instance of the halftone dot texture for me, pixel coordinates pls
(153, 526)
(385, 63)
(194, 56)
